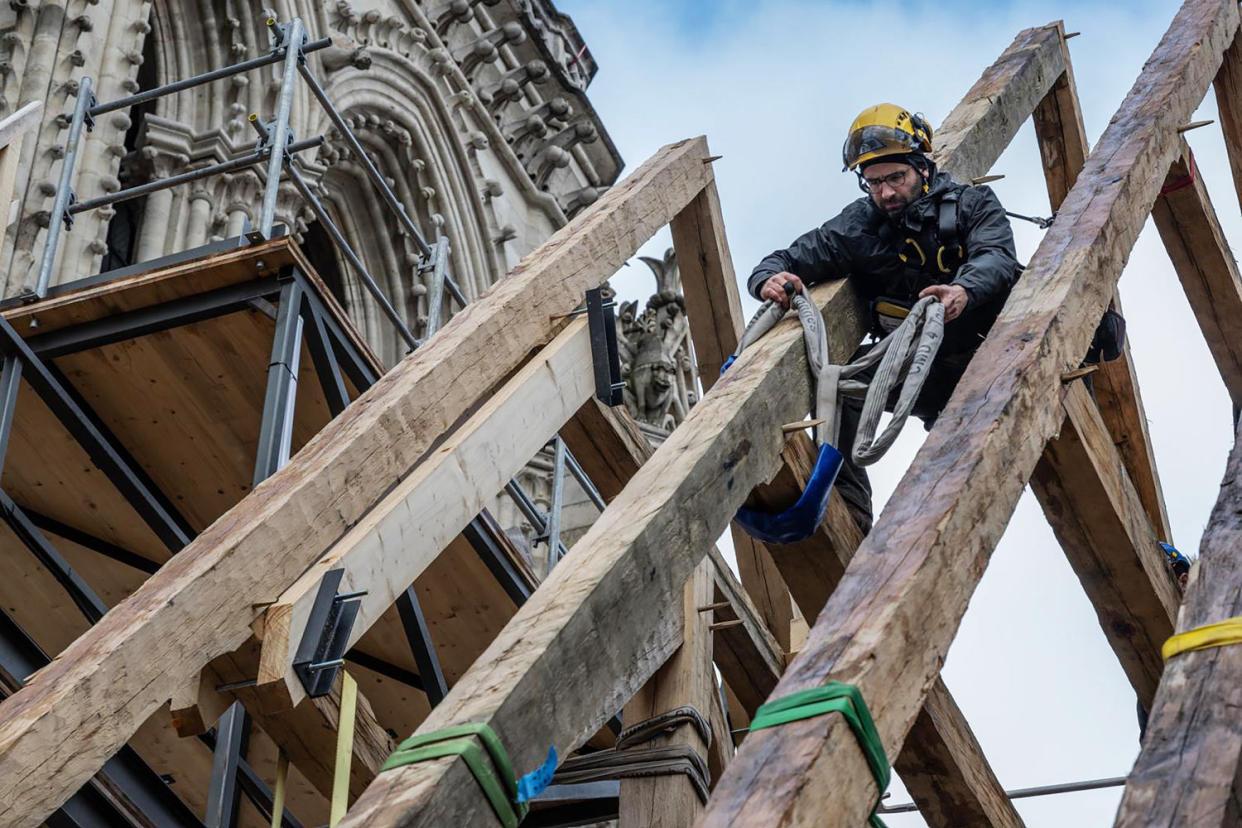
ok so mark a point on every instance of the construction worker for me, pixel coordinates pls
(916, 233)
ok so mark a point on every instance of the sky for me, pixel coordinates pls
(774, 85)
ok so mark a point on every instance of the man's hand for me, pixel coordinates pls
(953, 297)
(774, 288)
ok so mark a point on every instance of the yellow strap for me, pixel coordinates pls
(344, 749)
(278, 797)
(1219, 634)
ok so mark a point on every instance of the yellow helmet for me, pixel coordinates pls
(882, 130)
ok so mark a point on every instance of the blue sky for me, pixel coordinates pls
(774, 85)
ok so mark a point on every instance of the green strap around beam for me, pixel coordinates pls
(500, 787)
(833, 697)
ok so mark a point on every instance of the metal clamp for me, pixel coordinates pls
(602, 323)
(321, 653)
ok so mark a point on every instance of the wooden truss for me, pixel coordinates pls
(634, 617)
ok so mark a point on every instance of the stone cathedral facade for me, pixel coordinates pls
(475, 111)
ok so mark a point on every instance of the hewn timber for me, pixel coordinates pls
(1205, 265)
(686, 679)
(1098, 518)
(398, 539)
(941, 763)
(749, 658)
(1191, 760)
(714, 308)
(913, 576)
(1063, 148)
(1228, 87)
(193, 610)
(598, 628)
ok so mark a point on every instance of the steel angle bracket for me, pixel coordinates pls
(602, 324)
(321, 653)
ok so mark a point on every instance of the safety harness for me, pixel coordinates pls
(904, 359)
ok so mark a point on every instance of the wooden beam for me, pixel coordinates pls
(1191, 759)
(685, 679)
(714, 309)
(1205, 265)
(398, 539)
(200, 604)
(1063, 148)
(1228, 86)
(888, 625)
(595, 631)
(749, 658)
(941, 763)
(945, 771)
(1099, 520)
(979, 128)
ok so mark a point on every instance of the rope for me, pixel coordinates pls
(833, 697)
(904, 358)
(623, 762)
(1219, 634)
(663, 723)
(344, 749)
(607, 765)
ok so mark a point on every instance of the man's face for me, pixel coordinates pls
(893, 186)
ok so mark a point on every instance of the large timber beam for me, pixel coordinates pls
(112, 678)
(1063, 148)
(643, 547)
(1204, 263)
(397, 540)
(888, 625)
(1188, 769)
(1099, 519)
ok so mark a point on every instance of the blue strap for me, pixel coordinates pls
(800, 520)
(533, 783)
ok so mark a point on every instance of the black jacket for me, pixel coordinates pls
(863, 243)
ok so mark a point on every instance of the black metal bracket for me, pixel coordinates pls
(602, 323)
(322, 649)
(67, 216)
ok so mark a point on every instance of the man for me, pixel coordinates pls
(916, 233)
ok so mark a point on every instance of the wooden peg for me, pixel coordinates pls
(985, 179)
(1068, 35)
(1192, 125)
(789, 428)
(1070, 376)
(722, 625)
(709, 159)
(715, 606)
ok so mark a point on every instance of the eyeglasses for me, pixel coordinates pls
(893, 180)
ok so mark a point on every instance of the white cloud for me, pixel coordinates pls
(774, 85)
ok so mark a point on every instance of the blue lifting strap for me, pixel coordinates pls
(798, 522)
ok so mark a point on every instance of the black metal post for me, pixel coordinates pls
(104, 451)
(478, 534)
(89, 541)
(323, 356)
(276, 429)
(224, 794)
(424, 650)
(10, 383)
(81, 593)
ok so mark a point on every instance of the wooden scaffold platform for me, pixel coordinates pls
(222, 512)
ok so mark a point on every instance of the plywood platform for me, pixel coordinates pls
(186, 403)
